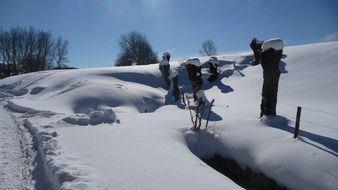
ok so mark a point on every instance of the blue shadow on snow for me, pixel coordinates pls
(280, 122)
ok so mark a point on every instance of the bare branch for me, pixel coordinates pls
(135, 49)
(208, 48)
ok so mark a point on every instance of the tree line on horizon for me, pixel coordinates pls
(25, 50)
(136, 50)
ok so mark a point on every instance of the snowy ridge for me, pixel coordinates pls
(117, 128)
(56, 168)
(43, 149)
(30, 111)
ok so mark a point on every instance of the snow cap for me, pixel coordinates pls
(194, 61)
(166, 55)
(274, 43)
(213, 60)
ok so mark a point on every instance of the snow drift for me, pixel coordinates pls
(117, 128)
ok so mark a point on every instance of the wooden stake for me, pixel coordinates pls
(299, 111)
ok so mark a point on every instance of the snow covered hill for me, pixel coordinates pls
(117, 128)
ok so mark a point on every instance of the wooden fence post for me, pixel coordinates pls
(299, 111)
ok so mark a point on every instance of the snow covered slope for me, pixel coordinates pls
(117, 128)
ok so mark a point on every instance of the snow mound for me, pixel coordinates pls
(275, 121)
(78, 91)
(77, 119)
(94, 117)
(21, 109)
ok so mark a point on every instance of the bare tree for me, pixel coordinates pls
(208, 48)
(3, 57)
(23, 51)
(14, 49)
(44, 50)
(135, 49)
(29, 50)
(30, 42)
(60, 52)
(5, 50)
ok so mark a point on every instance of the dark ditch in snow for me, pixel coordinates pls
(246, 178)
(203, 145)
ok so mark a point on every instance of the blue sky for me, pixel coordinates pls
(93, 27)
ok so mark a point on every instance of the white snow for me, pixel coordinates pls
(15, 155)
(115, 128)
(274, 43)
(193, 61)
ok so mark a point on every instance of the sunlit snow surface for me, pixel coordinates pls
(117, 128)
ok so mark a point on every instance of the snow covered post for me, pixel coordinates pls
(299, 110)
(173, 76)
(270, 55)
(213, 64)
(193, 67)
(164, 67)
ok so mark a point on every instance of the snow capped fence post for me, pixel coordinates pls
(299, 110)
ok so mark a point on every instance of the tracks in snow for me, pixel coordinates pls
(15, 154)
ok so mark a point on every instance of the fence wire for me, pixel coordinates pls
(305, 108)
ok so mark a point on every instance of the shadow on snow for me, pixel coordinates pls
(282, 123)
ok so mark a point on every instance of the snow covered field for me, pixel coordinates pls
(117, 128)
